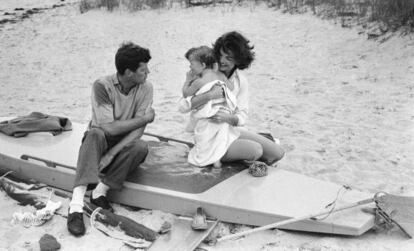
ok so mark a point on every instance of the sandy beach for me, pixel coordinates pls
(341, 105)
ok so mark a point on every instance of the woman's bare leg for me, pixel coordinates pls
(243, 149)
(272, 152)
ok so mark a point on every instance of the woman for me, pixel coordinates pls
(234, 54)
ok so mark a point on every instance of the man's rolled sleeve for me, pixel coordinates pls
(102, 107)
(146, 103)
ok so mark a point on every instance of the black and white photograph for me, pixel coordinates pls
(207, 125)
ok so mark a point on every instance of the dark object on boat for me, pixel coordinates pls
(35, 122)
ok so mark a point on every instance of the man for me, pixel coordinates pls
(111, 148)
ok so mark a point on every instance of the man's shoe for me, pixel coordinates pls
(75, 224)
(102, 202)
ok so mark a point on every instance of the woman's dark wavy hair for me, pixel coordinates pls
(238, 45)
(129, 56)
(203, 54)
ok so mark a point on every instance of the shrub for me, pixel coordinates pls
(394, 13)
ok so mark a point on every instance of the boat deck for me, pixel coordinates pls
(167, 182)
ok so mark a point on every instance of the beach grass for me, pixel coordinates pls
(130, 5)
(392, 14)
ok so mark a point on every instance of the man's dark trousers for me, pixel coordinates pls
(94, 145)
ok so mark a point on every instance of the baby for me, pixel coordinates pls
(211, 139)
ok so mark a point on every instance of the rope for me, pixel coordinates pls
(51, 192)
(344, 188)
(94, 213)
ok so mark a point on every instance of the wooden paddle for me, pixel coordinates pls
(166, 139)
(288, 221)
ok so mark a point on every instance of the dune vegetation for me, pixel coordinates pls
(392, 15)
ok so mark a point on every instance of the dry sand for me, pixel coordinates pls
(342, 105)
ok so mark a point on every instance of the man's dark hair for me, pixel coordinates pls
(129, 56)
(235, 43)
(203, 54)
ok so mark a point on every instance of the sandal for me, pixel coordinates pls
(199, 221)
(258, 169)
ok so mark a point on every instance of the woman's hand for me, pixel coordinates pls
(199, 100)
(216, 92)
(224, 116)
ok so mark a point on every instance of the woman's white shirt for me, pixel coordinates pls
(241, 91)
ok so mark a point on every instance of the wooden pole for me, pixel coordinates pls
(285, 222)
(166, 139)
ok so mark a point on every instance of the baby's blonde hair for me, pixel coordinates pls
(203, 54)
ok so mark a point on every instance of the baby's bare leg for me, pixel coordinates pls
(272, 152)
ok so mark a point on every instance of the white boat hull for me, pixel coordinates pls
(238, 198)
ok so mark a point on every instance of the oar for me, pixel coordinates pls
(166, 139)
(285, 222)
